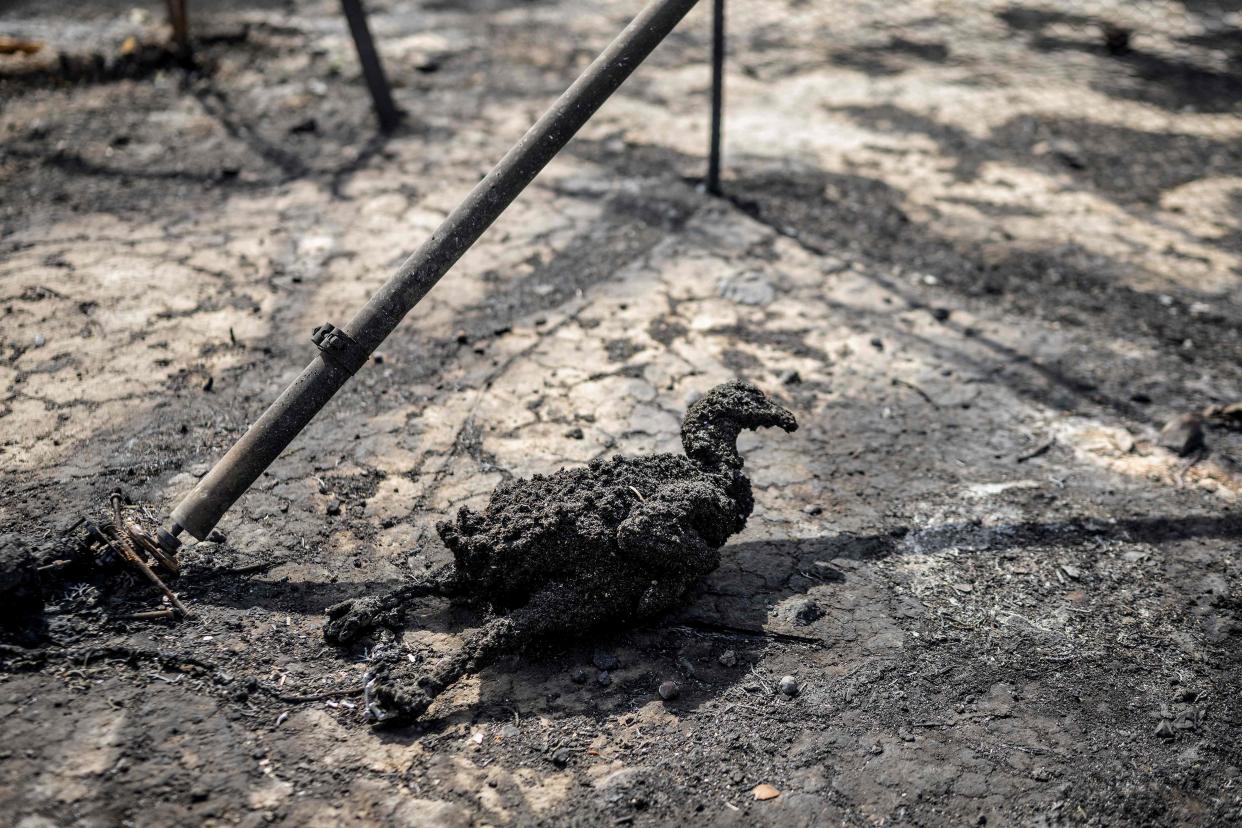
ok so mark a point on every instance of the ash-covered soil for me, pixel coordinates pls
(983, 251)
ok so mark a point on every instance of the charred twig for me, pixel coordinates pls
(1038, 452)
(926, 397)
(275, 693)
(150, 615)
(726, 629)
(131, 555)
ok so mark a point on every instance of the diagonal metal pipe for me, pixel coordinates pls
(343, 351)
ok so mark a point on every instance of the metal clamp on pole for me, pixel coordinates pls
(339, 347)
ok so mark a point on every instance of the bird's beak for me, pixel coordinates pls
(780, 417)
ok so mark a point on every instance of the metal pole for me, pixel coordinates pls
(718, 58)
(372, 70)
(344, 351)
(179, 19)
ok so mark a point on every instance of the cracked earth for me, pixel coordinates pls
(980, 256)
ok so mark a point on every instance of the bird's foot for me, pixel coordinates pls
(352, 619)
(394, 692)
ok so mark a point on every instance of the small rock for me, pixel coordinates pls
(603, 678)
(574, 433)
(940, 314)
(765, 792)
(806, 612)
(561, 757)
(788, 686)
(1071, 571)
(791, 378)
(728, 658)
(605, 660)
(669, 690)
(877, 343)
(334, 506)
(1227, 416)
(39, 340)
(813, 509)
(216, 536)
(1183, 435)
(1164, 730)
(1065, 151)
(747, 288)
(579, 676)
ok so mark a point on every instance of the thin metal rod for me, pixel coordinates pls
(202, 508)
(372, 70)
(718, 58)
(179, 19)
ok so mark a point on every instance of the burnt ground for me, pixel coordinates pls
(981, 255)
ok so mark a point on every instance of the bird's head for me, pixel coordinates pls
(711, 425)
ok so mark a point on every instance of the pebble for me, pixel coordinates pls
(788, 686)
(39, 340)
(806, 612)
(574, 433)
(603, 678)
(791, 378)
(728, 658)
(1183, 435)
(747, 288)
(604, 660)
(334, 506)
(560, 757)
(669, 690)
(579, 676)
(764, 792)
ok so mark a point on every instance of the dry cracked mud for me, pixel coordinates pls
(984, 250)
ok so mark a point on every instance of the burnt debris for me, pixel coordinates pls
(607, 545)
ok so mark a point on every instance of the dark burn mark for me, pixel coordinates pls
(619, 350)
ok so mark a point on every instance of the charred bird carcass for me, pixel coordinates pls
(607, 545)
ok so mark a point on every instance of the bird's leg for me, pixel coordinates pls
(397, 691)
(351, 619)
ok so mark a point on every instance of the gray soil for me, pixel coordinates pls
(984, 251)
